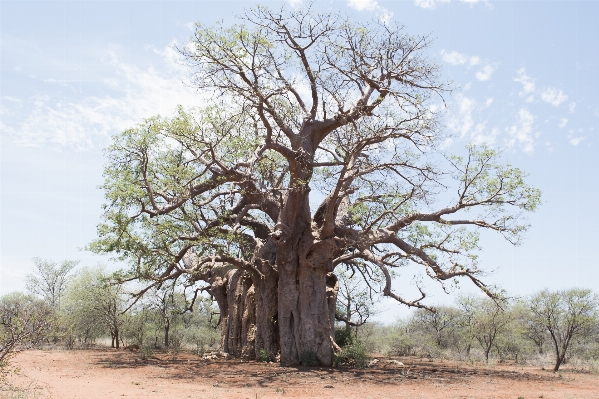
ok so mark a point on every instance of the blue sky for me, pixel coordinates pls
(74, 73)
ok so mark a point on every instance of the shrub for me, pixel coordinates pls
(354, 355)
(308, 358)
(265, 356)
(401, 345)
(344, 337)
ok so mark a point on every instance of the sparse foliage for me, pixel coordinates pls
(566, 315)
(49, 280)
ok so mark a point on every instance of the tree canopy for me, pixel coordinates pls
(319, 147)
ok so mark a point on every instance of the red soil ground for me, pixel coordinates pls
(115, 374)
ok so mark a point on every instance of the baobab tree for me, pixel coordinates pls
(318, 148)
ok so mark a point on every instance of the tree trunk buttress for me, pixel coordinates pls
(305, 302)
(266, 301)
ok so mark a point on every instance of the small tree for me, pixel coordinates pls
(170, 305)
(50, 279)
(93, 301)
(487, 320)
(355, 301)
(440, 325)
(566, 315)
(24, 322)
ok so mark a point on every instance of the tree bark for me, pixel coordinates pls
(167, 326)
(306, 325)
(266, 301)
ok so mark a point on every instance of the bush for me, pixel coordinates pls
(401, 345)
(344, 337)
(24, 323)
(308, 358)
(354, 355)
(265, 356)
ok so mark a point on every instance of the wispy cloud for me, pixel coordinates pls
(370, 5)
(135, 93)
(562, 122)
(295, 3)
(571, 107)
(528, 84)
(456, 58)
(550, 95)
(553, 96)
(432, 4)
(522, 133)
(429, 4)
(461, 120)
(485, 73)
(575, 140)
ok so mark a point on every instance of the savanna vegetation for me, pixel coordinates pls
(267, 224)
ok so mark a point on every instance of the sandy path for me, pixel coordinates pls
(112, 374)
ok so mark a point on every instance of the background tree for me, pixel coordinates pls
(24, 322)
(566, 315)
(95, 302)
(441, 325)
(486, 320)
(356, 302)
(314, 107)
(50, 279)
(170, 307)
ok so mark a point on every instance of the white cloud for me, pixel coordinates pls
(360, 5)
(553, 96)
(474, 60)
(522, 132)
(528, 83)
(456, 58)
(577, 140)
(432, 4)
(295, 3)
(562, 122)
(429, 4)
(550, 95)
(461, 120)
(479, 135)
(370, 5)
(136, 93)
(485, 73)
(386, 16)
(571, 107)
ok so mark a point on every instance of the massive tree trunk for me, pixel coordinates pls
(247, 301)
(304, 264)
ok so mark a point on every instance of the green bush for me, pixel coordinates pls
(308, 358)
(401, 345)
(344, 337)
(354, 355)
(265, 356)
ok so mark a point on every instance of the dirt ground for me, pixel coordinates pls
(115, 374)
